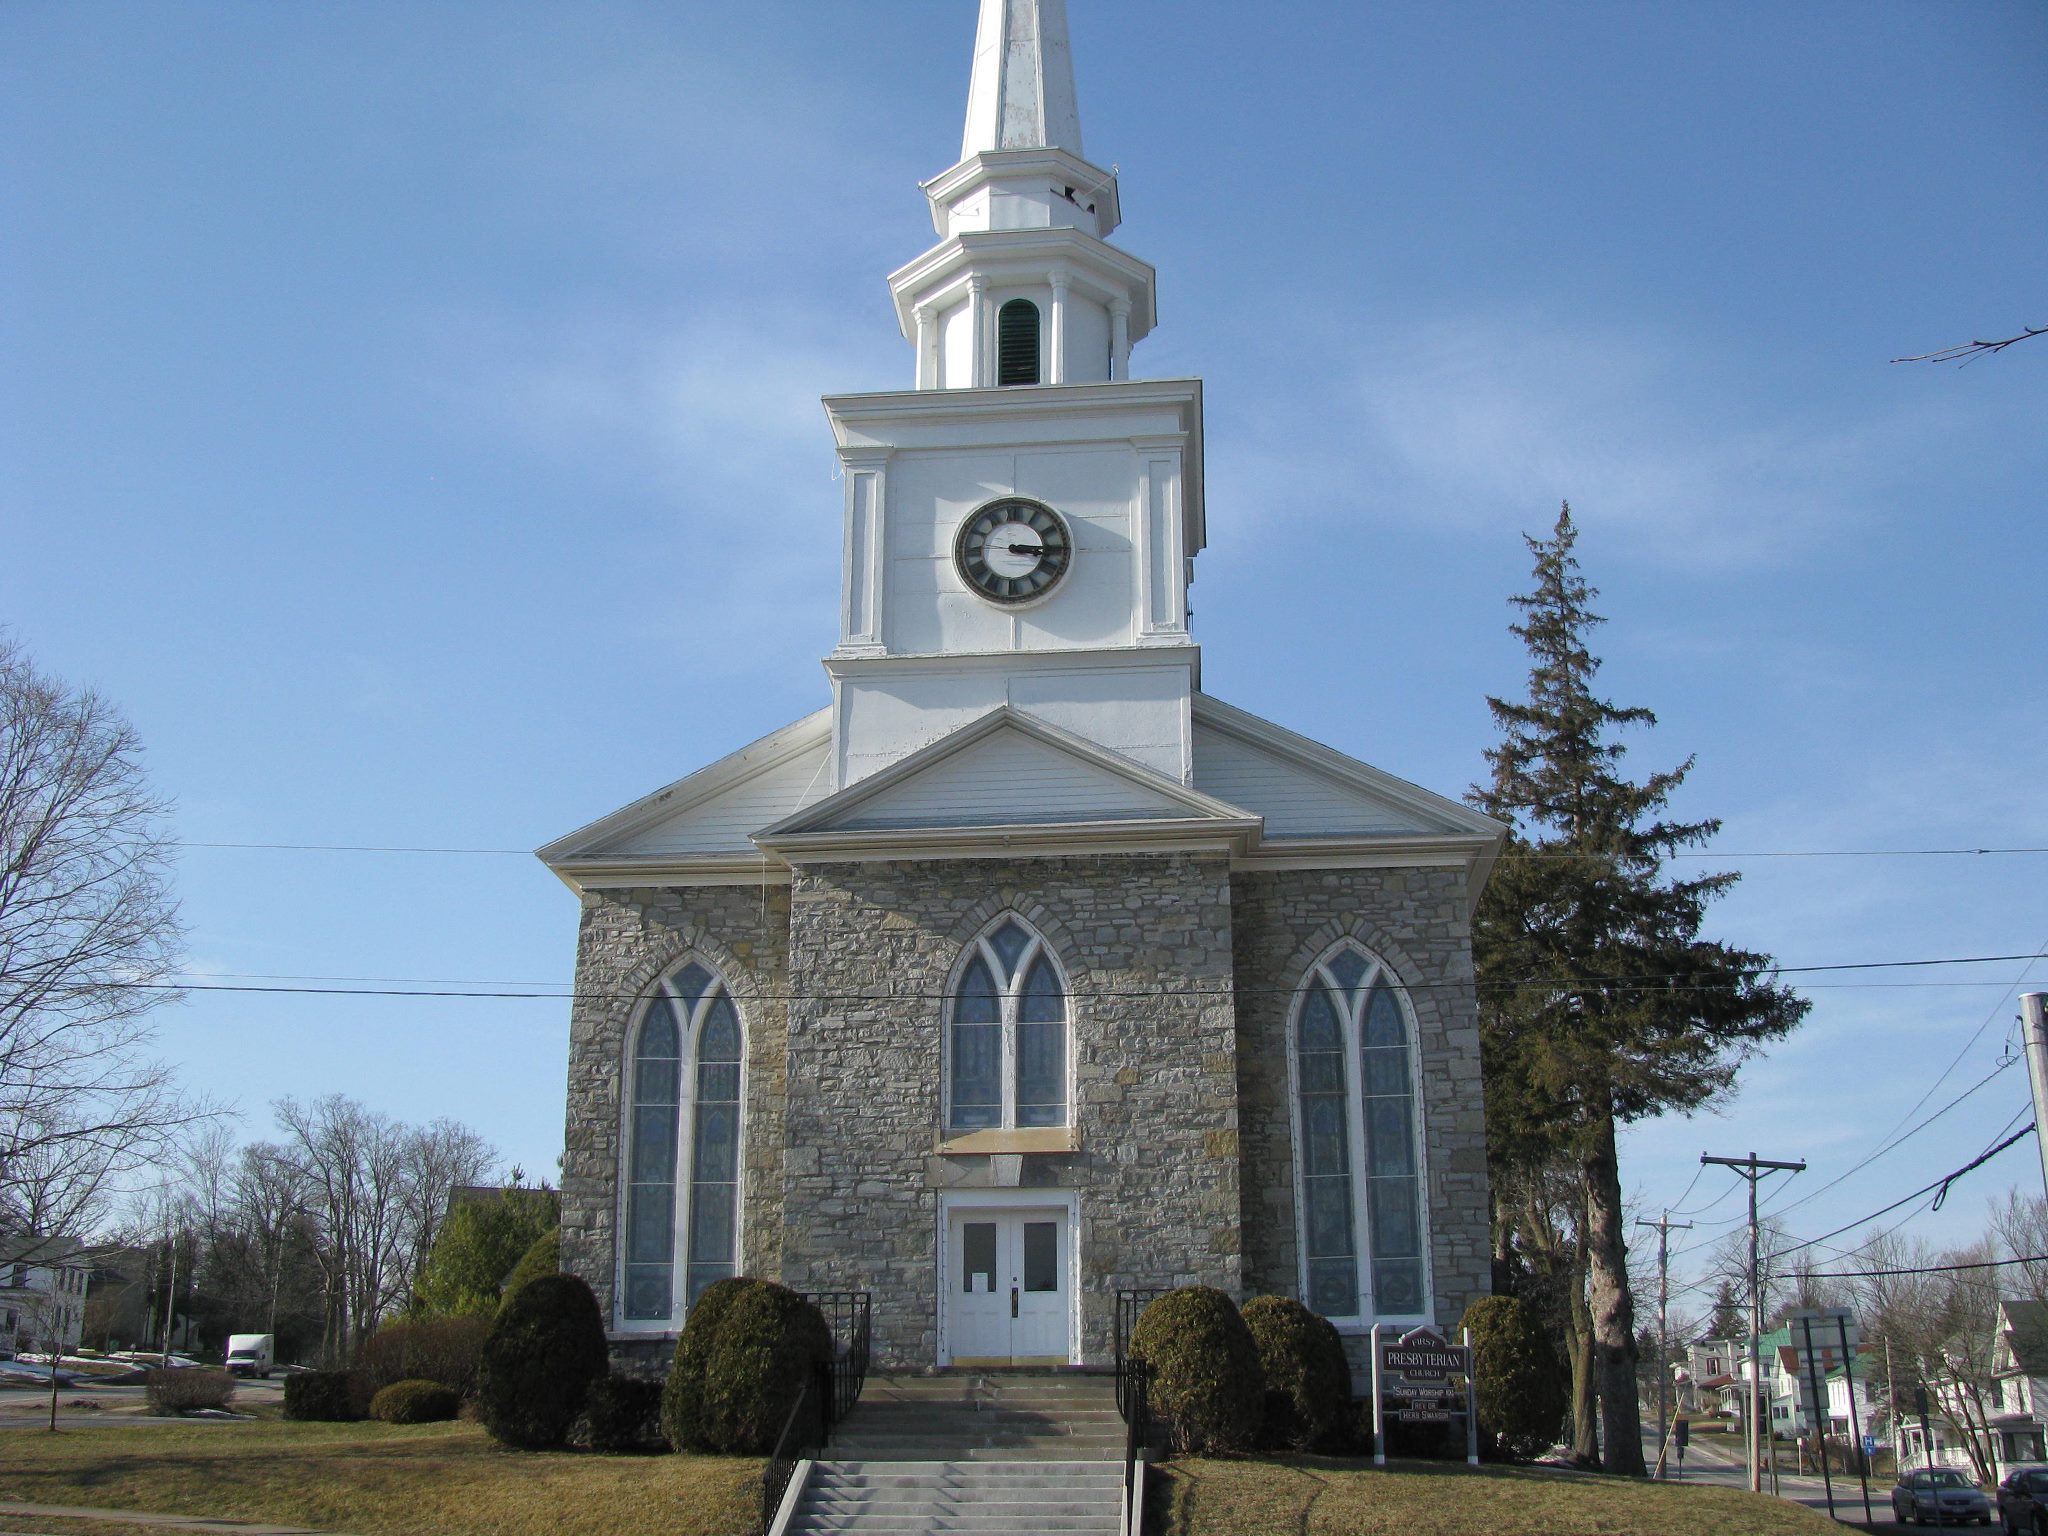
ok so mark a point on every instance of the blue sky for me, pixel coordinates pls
(408, 415)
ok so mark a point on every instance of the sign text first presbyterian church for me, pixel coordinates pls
(1024, 971)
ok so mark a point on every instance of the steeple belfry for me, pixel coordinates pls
(1022, 94)
(1023, 287)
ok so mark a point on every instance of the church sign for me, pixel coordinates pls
(1420, 1377)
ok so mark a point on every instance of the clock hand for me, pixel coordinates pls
(1026, 549)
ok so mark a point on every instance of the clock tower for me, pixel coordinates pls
(1021, 526)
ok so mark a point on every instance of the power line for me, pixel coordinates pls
(1926, 1269)
(533, 991)
(1939, 1188)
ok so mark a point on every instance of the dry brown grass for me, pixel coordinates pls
(378, 1480)
(1312, 1496)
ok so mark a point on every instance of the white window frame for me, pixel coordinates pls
(693, 1019)
(1377, 971)
(1010, 999)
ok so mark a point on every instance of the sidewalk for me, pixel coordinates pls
(166, 1522)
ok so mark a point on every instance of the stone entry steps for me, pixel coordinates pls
(926, 1498)
(983, 1416)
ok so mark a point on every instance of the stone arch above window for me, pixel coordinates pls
(1361, 1215)
(680, 1226)
(1007, 1032)
(1017, 343)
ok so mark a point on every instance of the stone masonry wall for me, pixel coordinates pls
(629, 939)
(1145, 941)
(1414, 920)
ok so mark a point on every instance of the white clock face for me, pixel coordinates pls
(1013, 550)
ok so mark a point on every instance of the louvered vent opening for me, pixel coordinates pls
(1017, 343)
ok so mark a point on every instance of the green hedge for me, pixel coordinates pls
(543, 1258)
(1207, 1385)
(326, 1396)
(682, 1396)
(415, 1402)
(1308, 1379)
(544, 1349)
(623, 1413)
(443, 1349)
(1519, 1382)
(764, 1350)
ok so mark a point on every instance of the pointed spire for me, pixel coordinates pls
(1022, 95)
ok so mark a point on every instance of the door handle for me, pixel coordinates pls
(1013, 1301)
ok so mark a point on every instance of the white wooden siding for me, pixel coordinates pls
(725, 822)
(1295, 800)
(1008, 778)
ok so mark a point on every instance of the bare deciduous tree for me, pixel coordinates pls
(89, 939)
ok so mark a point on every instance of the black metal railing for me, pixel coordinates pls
(1136, 1381)
(849, 1315)
(802, 1433)
(1129, 1304)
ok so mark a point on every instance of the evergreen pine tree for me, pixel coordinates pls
(1600, 1002)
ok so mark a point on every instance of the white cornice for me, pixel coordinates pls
(1031, 252)
(1086, 177)
(1120, 411)
(1093, 658)
(660, 871)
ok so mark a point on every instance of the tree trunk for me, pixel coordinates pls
(1613, 1310)
(1585, 1385)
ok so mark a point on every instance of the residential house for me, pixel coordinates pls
(42, 1293)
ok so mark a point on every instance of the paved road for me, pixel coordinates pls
(81, 1404)
(1708, 1461)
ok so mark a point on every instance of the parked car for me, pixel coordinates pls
(1939, 1496)
(2023, 1501)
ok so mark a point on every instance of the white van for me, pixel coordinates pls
(250, 1354)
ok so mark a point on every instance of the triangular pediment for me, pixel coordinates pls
(1304, 790)
(1008, 769)
(715, 810)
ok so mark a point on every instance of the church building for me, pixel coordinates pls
(1024, 970)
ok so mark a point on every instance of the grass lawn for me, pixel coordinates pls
(378, 1480)
(1312, 1496)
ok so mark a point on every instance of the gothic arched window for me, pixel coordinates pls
(1007, 1034)
(1017, 343)
(1358, 1141)
(683, 1135)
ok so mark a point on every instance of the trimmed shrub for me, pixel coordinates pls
(1206, 1382)
(1520, 1386)
(185, 1389)
(682, 1396)
(765, 1349)
(442, 1349)
(415, 1402)
(543, 1351)
(543, 1258)
(326, 1396)
(1308, 1380)
(624, 1414)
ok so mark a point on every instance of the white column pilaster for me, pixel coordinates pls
(977, 320)
(1120, 338)
(1056, 369)
(927, 349)
(861, 595)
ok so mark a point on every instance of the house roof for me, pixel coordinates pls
(1008, 780)
(2026, 1335)
(40, 1248)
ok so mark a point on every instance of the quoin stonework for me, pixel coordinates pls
(1024, 971)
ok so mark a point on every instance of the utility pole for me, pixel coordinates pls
(2034, 1027)
(1664, 1230)
(1753, 1168)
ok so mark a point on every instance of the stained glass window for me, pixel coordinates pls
(1357, 1129)
(685, 1071)
(1008, 1038)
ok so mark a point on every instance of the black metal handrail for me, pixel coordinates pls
(802, 1432)
(1137, 1435)
(848, 1314)
(1129, 1304)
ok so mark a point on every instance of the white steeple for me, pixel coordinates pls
(1022, 94)
(1023, 287)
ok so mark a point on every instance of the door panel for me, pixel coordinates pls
(1008, 1297)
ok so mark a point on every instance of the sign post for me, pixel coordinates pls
(1680, 1433)
(1422, 1378)
(1855, 1428)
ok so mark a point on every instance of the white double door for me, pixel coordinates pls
(1009, 1297)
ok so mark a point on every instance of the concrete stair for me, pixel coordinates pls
(966, 1452)
(925, 1498)
(983, 1416)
